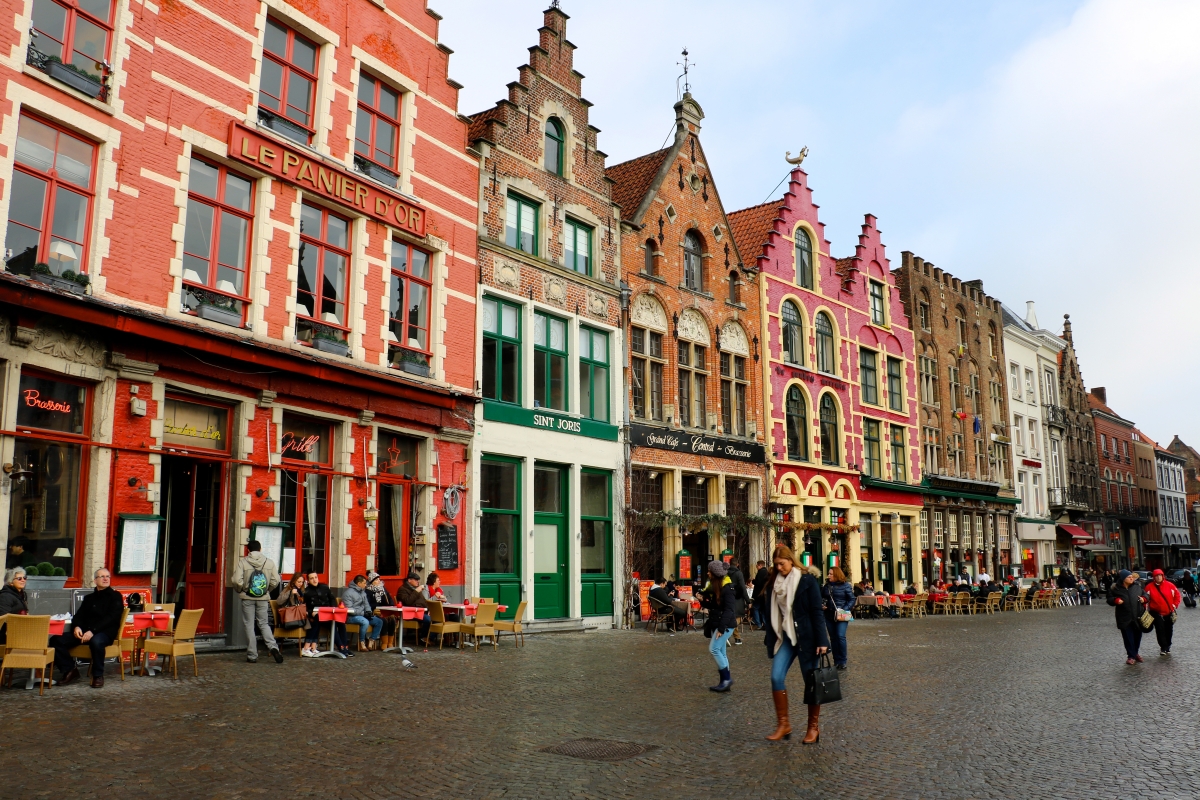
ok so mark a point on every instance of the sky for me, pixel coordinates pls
(1049, 147)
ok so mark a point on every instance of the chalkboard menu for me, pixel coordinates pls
(447, 546)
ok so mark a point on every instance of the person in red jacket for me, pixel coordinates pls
(1162, 598)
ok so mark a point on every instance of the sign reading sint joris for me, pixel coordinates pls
(313, 174)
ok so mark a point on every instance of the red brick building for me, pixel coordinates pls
(236, 233)
(1122, 509)
(694, 377)
(548, 430)
(842, 402)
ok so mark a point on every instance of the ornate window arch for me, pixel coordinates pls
(693, 261)
(796, 424)
(793, 333)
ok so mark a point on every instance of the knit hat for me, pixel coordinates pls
(718, 568)
(1123, 574)
(372, 575)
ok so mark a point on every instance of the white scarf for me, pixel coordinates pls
(781, 608)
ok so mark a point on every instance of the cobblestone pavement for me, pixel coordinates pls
(1037, 704)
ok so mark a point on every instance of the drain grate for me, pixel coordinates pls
(600, 749)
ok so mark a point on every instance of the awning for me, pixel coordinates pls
(1075, 532)
(1095, 548)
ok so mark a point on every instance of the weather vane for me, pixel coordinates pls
(687, 87)
(798, 160)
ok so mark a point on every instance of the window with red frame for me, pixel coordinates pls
(377, 128)
(289, 79)
(216, 239)
(76, 32)
(321, 282)
(408, 311)
(306, 449)
(50, 200)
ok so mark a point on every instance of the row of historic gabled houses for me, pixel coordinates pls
(280, 289)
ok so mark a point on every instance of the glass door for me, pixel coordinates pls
(550, 541)
(500, 531)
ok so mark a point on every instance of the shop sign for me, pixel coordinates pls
(304, 440)
(49, 404)
(195, 425)
(310, 172)
(696, 443)
(1031, 463)
(548, 421)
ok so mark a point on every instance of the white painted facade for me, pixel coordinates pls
(1172, 498)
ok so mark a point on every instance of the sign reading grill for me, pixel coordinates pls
(697, 443)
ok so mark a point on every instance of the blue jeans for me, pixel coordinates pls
(756, 613)
(837, 639)
(782, 662)
(1132, 636)
(716, 646)
(374, 624)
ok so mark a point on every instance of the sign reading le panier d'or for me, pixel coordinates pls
(697, 443)
(307, 170)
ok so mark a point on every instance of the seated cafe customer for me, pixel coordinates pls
(317, 595)
(678, 607)
(96, 625)
(12, 597)
(409, 594)
(360, 613)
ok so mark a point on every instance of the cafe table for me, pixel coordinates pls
(143, 623)
(470, 609)
(333, 616)
(401, 613)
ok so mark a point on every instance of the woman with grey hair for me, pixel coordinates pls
(12, 597)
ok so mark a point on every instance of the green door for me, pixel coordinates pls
(550, 541)
(595, 543)
(500, 531)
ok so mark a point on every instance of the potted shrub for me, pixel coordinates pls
(414, 363)
(45, 576)
(69, 281)
(328, 340)
(218, 309)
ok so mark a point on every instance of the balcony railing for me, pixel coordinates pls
(1056, 416)
(1069, 497)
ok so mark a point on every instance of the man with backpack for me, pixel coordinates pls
(254, 578)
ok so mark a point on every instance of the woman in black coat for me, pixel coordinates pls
(12, 597)
(795, 631)
(720, 599)
(1126, 597)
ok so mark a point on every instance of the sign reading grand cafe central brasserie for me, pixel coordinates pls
(697, 443)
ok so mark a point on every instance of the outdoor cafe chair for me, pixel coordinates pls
(115, 650)
(965, 603)
(993, 603)
(1011, 601)
(485, 615)
(283, 634)
(28, 647)
(660, 614)
(181, 643)
(439, 625)
(945, 605)
(515, 626)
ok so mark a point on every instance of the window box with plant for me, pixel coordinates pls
(70, 42)
(45, 576)
(69, 280)
(212, 306)
(323, 337)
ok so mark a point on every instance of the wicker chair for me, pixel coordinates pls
(485, 615)
(439, 625)
(182, 643)
(514, 626)
(945, 605)
(283, 634)
(28, 647)
(993, 603)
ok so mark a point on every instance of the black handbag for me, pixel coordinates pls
(826, 687)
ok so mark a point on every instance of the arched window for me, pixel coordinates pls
(797, 426)
(693, 263)
(829, 431)
(804, 268)
(554, 146)
(826, 362)
(650, 266)
(793, 334)
(735, 294)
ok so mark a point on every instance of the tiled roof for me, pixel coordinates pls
(842, 265)
(750, 228)
(1147, 439)
(632, 179)
(479, 122)
(1096, 405)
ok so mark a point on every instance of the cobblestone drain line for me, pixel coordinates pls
(1037, 704)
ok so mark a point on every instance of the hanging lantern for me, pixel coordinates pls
(833, 560)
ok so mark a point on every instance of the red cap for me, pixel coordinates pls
(1157, 572)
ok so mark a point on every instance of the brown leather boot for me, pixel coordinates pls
(814, 733)
(784, 729)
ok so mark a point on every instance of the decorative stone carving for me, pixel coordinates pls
(649, 313)
(693, 327)
(22, 336)
(507, 274)
(733, 339)
(597, 304)
(556, 290)
(59, 343)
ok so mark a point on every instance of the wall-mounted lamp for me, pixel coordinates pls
(654, 474)
(259, 493)
(134, 480)
(701, 480)
(741, 484)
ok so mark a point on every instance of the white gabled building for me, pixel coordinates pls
(1036, 424)
(1172, 505)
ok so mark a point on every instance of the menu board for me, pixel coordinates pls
(271, 536)
(447, 546)
(137, 553)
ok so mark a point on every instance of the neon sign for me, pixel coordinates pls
(33, 399)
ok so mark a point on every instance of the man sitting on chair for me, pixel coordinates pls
(95, 624)
(678, 607)
(409, 594)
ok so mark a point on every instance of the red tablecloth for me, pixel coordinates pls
(158, 620)
(56, 626)
(329, 614)
(938, 597)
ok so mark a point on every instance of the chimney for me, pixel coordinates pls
(1031, 315)
(1100, 394)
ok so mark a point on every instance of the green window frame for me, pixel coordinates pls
(501, 350)
(895, 378)
(550, 388)
(521, 224)
(577, 250)
(595, 506)
(593, 374)
(554, 146)
(500, 528)
(868, 375)
(872, 456)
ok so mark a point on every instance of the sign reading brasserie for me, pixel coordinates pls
(296, 166)
(697, 443)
